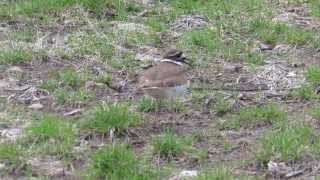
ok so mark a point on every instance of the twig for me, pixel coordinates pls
(294, 173)
(229, 89)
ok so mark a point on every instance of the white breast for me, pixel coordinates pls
(177, 91)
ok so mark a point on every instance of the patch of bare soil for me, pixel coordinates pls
(48, 166)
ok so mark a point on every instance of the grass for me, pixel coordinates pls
(91, 45)
(147, 104)
(14, 56)
(119, 9)
(106, 117)
(217, 173)
(200, 96)
(51, 85)
(269, 113)
(25, 35)
(19, 55)
(135, 35)
(51, 134)
(175, 104)
(315, 113)
(254, 58)
(253, 116)
(288, 143)
(71, 78)
(34, 6)
(103, 49)
(67, 86)
(222, 106)
(315, 6)
(100, 8)
(104, 78)
(305, 92)
(12, 156)
(156, 24)
(118, 161)
(274, 33)
(169, 145)
(203, 40)
(313, 75)
(66, 96)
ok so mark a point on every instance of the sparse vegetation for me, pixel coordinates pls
(51, 134)
(91, 45)
(12, 157)
(253, 116)
(207, 41)
(176, 105)
(169, 145)
(315, 5)
(71, 78)
(104, 78)
(269, 113)
(313, 75)
(65, 96)
(222, 106)
(216, 174)
(26, 35)
(106, 117)
(118, 161)
(15, 56)
(288, 143)
(305, 92)
(147, 104)
(315, 113)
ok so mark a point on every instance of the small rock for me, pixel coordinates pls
(291, 74)
(186, 174)
(2, 166)
(277, 169)
(4, 84)
(90, 84)
(185, 22)
(130, 27)
(281, 48)
(284, 17)
(32, 94)
(265, 47)
(294, 173)
(297, 64)
(148, 53)
(47, 166)
(73, 112)
(145, 2)
(11, 134)
(231, 68)
(36, 106)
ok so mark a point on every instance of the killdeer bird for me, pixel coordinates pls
(168, 79)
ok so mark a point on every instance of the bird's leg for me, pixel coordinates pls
(158, 104)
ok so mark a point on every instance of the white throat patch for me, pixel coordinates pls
(171, 61)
